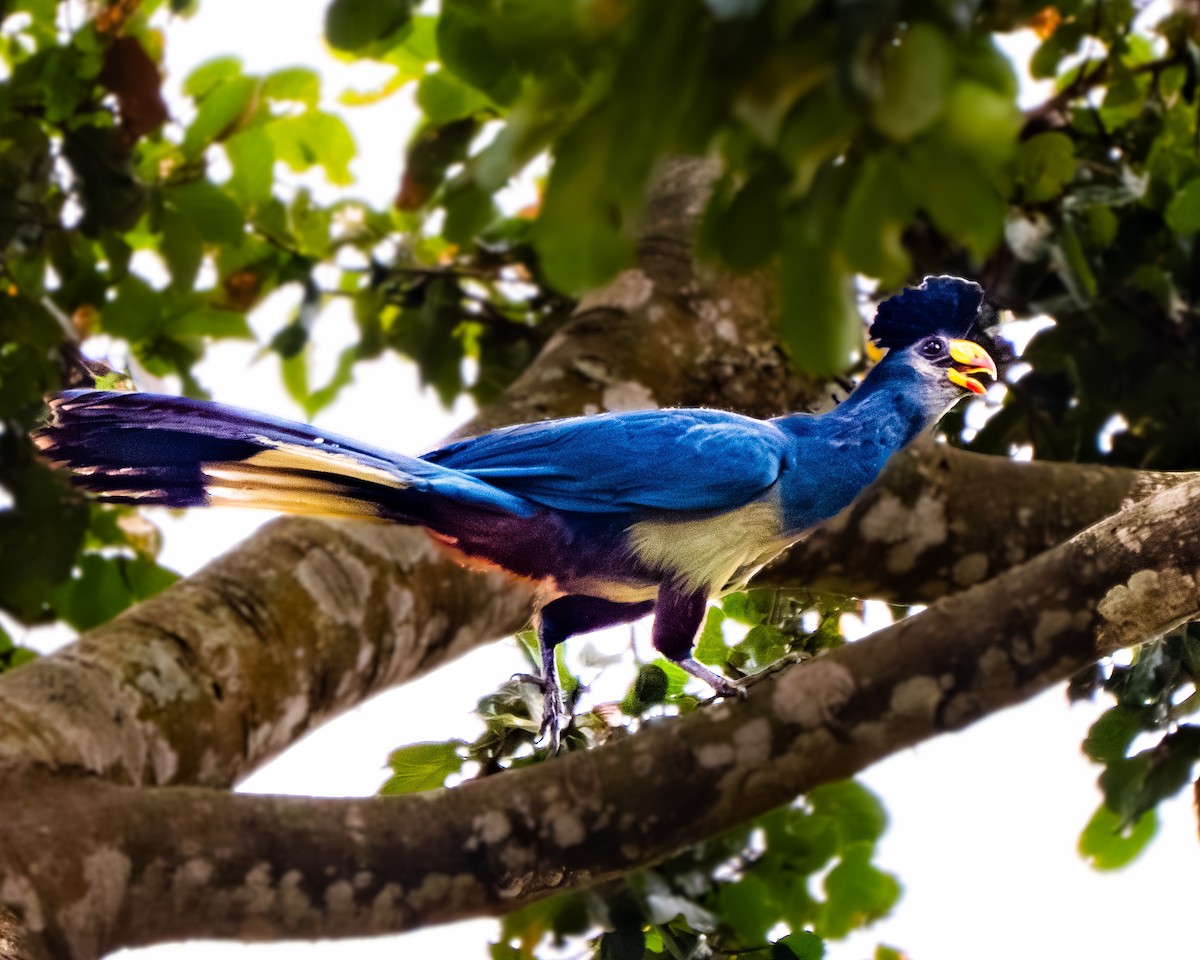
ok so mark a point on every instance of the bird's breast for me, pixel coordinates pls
(711, 552)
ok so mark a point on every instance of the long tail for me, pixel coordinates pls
(177, 452)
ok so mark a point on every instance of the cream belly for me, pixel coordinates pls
(712, 554)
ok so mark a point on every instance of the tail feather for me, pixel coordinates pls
(179, 452)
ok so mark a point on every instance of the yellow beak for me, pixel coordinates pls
(969, 357)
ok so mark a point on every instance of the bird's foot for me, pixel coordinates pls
(554, 713)
(720, 685)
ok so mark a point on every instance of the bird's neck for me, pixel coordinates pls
(842, 451)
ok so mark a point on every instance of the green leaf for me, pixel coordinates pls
(750, 607)
(216, 215)
(1110, 736)
(422, 766)
(915, 83)
(208, 321)
(819, 320)
(625, 943)
(443, 98)
(858, 893)
(711, 648)
(251, 153)
(353, 24)
(1108, 843)
(1183, 212)
(182, 247)
(217, 113)
(135, 313)
(297, 84)
(747, 907)
(104, 586)
(314, 138)
(804, 945)
(748, 233)
(858, 813)
(873, 222)
(579, 192)
(1045, 165)
(469, 211)
(211, 74)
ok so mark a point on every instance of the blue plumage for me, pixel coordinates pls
(616, 515)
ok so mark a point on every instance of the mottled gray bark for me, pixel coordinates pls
(144, 865)
(940, 519)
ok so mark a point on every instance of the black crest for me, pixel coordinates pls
(945, 305)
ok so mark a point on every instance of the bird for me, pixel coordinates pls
(616, 515)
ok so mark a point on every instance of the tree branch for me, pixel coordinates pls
(164, 864)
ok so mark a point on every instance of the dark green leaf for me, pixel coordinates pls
(136, 311)
(216, 215)
(626, 943)
(1183, 212)
(353, 24)
(1111, 735)
(1045, 165)
(804, 945)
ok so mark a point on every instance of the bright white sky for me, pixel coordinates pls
(983, 823)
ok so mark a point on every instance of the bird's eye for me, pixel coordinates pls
(933, 349)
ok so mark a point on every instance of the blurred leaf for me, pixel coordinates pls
(711, 648)
(298, 84)
(311, 139)
(746, 907)
(1183, 213)
(916, 76)
(104, 586)
(251, 153)
(215, 214)
(217, 112)
(1110, 736)
(422, 766)
(873, 221)
(1045, 165)
(1108, 843)
(626, 943)
(352, 24)
(858, 813)
(819, 321)
(857, 892)
(444, 98)
(804, 945)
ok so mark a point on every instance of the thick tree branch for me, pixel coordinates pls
(940, 519)
(183, 862)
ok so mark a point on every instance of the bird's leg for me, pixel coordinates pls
(564, 618)
(677, 619)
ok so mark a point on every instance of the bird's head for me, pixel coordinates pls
(929, 325)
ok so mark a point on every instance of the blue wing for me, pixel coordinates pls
(688, 460)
